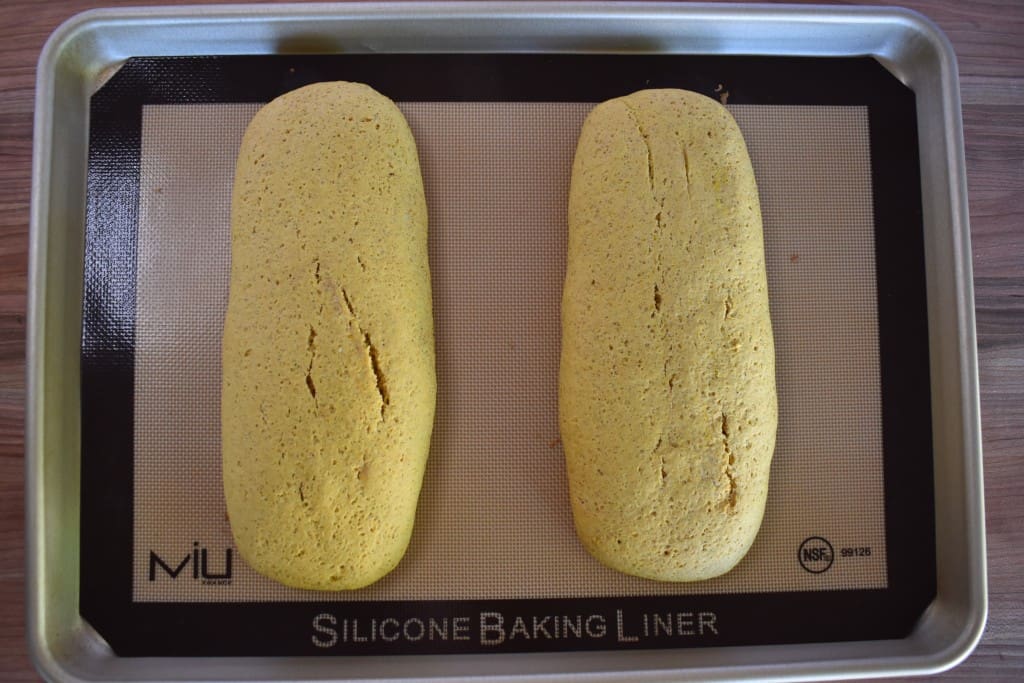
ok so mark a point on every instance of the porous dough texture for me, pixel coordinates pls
(329, 387)
(667, 403)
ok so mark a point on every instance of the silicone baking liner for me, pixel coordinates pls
(494, 564)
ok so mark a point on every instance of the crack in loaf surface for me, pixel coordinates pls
(372, 355)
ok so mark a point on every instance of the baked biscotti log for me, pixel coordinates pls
(328, 351)
(667, 378)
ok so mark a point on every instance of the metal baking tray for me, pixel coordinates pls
(88, 48)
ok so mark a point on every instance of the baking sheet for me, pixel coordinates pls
(85, 627)
(494, 520)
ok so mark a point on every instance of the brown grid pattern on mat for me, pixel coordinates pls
(494, 520)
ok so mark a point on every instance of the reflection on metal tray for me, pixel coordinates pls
(917, 277)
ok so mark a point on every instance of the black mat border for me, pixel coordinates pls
(285, 628)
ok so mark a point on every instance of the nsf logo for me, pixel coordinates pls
(816, 555)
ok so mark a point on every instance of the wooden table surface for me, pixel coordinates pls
(989, 40)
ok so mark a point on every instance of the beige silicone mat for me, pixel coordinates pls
(494, 519)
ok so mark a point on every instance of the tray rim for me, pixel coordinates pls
(79, 53)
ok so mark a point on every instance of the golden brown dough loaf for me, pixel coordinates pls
(328, 350)
(667, 379)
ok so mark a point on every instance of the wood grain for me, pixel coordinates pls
(989, 40)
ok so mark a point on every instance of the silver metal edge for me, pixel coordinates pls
(953, 624)
(975, 611)
(242, 18)
(50, 648)
(40, 650)
(83, 26)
